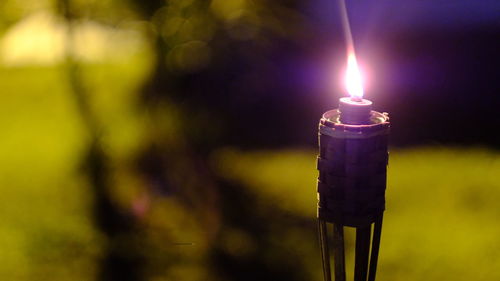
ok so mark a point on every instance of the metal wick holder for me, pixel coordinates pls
(352, 166)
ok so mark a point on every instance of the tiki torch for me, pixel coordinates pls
(352, 166)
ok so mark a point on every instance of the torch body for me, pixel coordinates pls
(352, 166)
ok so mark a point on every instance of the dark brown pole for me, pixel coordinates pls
(377, 231)
(338, 252)
(362, 253)
(325, 254)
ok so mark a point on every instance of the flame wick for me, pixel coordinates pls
(353, 81)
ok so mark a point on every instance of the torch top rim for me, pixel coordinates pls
(331, 118)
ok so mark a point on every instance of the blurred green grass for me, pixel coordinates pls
(442, 212)
(46, 228)
(44, 214)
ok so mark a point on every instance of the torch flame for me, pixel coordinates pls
(353, 80)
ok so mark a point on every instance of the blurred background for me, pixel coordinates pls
(176, 140)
